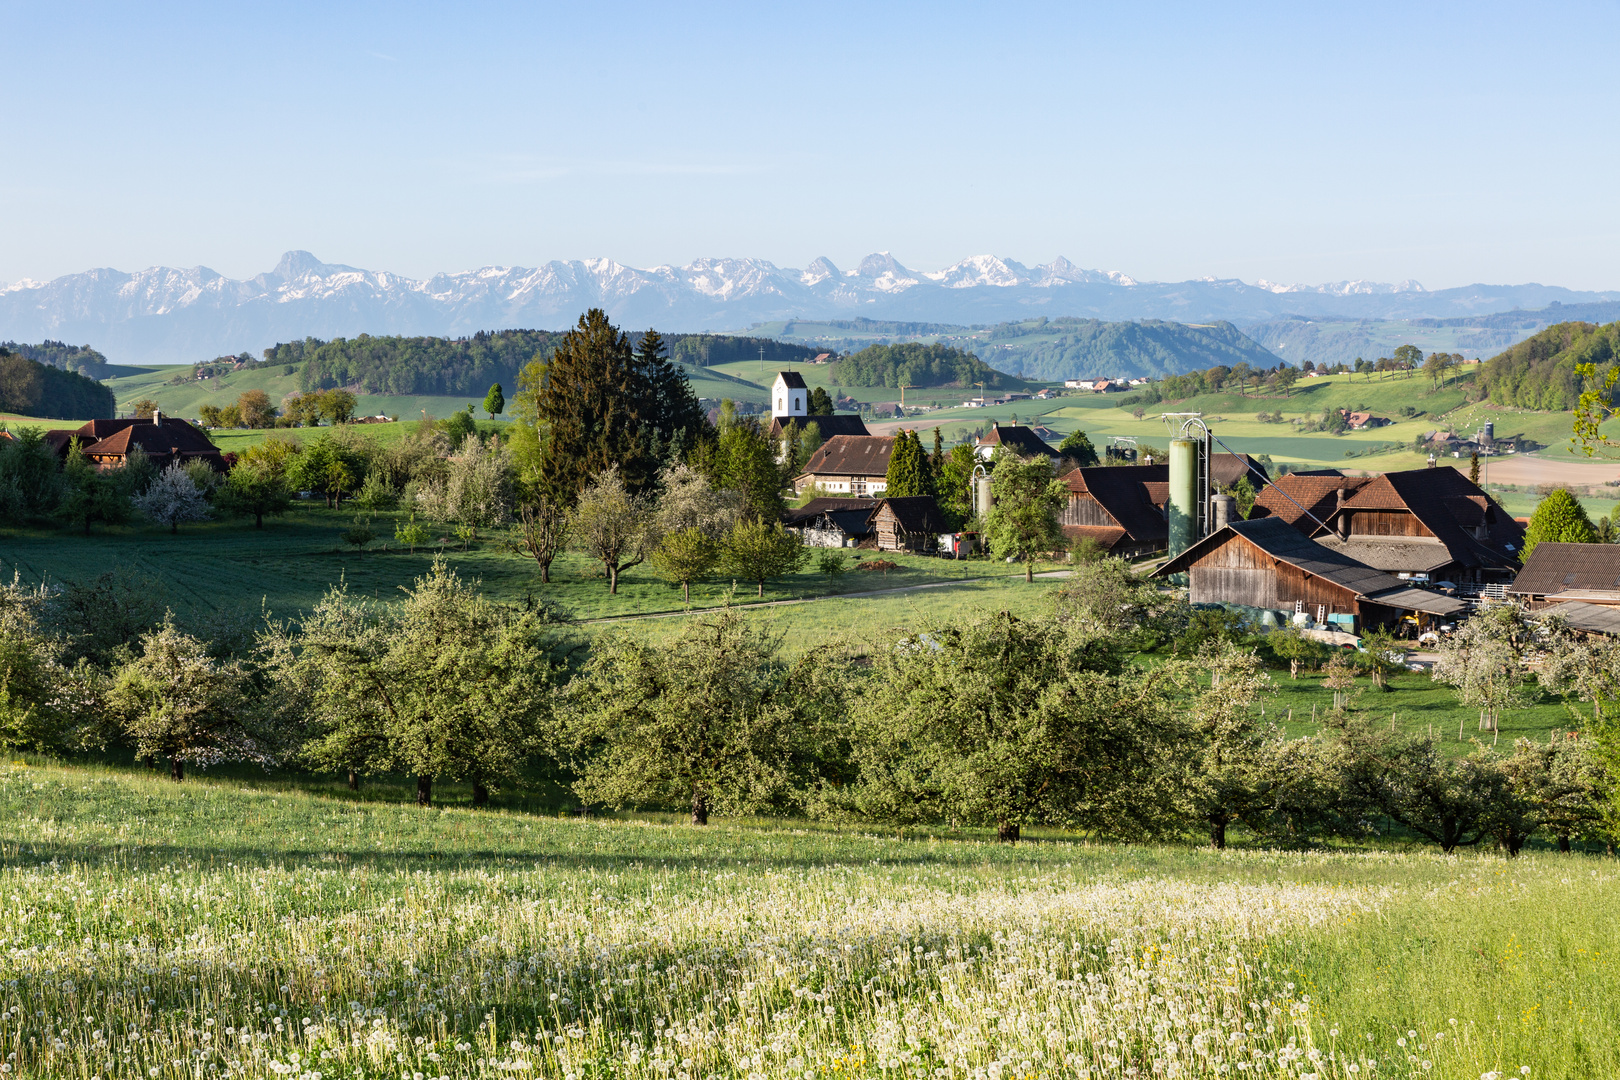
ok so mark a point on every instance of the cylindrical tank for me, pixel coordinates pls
(1224, 509)
(1489, 433)
(1183, 505)
(981, 496)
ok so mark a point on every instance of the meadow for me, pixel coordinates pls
(241, 928)
(229, 566)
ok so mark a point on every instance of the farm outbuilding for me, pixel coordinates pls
(913, 523)
(1265, 565)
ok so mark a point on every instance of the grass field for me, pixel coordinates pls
(243, 928)
(224, 566)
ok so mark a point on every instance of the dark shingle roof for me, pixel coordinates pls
(1449, 505)
(837, 424)
(1286, 544)
(1283, 542)
(792, 380)
(916, 513)
(852, 455)
(1124, 491)
(1313, 492)
(1554, 568)
(160, 440)
(816, 507)
(1019, 439)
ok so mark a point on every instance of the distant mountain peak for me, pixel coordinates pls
(169, 315)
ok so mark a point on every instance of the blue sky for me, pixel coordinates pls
(1446, 143)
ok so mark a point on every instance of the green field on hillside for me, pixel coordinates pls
(819, 374)
(246, 927)
(229, 566)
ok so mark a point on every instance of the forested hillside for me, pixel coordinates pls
(707, 350)
(434, 365)
(913, 364)
(1074, 348)
(1539, 372)
(35, 389)
(59, 354)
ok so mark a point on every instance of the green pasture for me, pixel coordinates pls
(153, 929)
(186, 398)
(229, 566)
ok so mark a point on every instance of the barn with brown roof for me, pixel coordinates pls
(1306, 499)
(909, 523)
(1122, 507)
(164, 439)
(1426, 522)
(1265, 564)
(1015, 437)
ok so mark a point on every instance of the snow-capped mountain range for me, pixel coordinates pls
(164, 314)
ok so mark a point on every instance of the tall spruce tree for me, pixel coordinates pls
(603, 402)
(908, 473)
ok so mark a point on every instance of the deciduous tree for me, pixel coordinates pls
(173, 497)
(613, 525)
(1559, 518)
(756, 550)
(1027, 499)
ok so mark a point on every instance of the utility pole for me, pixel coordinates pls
(762, 360)
(980, 385)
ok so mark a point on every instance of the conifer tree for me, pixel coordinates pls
(602, 402)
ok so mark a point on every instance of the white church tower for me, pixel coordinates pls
(790, 398)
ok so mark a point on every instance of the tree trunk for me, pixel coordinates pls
(1029, 572)
(1007, 832)
(1563, 842)
(424, 790)
(177, 769)
(760, 592)
(700, 810)
(258, 520)
(686, 592)
(1217, 833)
(354, 780)
(150, 762)
(480, 793)
(1293, 669)
(174, 528)
(545, 573)
(613, 579)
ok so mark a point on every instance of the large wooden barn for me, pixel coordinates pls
(1267, 565)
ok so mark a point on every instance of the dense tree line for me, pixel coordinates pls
(915, 364)
(414, 365)
(36, 389)
(707, 350)
(1540, 371)
(59, 354)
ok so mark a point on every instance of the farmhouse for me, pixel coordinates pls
(1426, 524)
(1015, 437)
(1266, 565)
(164, 439)
(852, 465)
(830, 522)
(1360, 421)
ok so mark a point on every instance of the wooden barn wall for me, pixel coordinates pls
(1237, 572)
(1385, 523)
(1085, 510)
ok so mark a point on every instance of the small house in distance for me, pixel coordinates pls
(1016, 438)
(850, 465)
(164, 440)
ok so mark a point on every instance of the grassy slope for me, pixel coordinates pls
(185, 399)
(226, 566)
(137, 904)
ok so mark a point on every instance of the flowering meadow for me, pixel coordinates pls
(214, 929)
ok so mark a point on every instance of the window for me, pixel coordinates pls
(778, 404)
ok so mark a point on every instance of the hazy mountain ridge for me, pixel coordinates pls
(168, 314)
